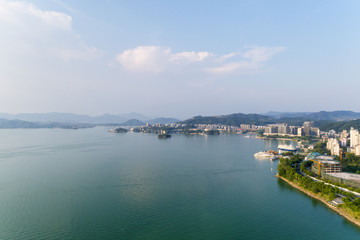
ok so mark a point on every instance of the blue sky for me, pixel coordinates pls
(179, 58)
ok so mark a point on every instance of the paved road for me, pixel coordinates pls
(318, 180)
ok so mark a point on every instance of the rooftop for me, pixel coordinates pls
(348, 176)
(327, 159)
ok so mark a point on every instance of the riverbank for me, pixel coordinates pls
(340, 211)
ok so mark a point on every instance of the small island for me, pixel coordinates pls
(211, 132)
(118, 130)
(164, 135)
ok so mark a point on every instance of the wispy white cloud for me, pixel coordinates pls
(144, 58)
(159, 59)
(79, 52)
(190, 56)
(247, 62)
(262, 54)
(227, 56)
(10, 11)
(156, 59)
(242, 67)
(43, 59)
(41, 33)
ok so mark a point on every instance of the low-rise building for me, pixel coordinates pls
(245, 126)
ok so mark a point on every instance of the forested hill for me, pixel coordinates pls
(334, 116)
(318, 116)
(339, 126)
(232, 119)
(324, 120)
(4, 123)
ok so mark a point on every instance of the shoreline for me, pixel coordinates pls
(340, 211)
(279, 138)
(286, 139)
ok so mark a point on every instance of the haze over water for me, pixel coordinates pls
(91, 184)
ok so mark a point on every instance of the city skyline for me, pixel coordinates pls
(178, 59)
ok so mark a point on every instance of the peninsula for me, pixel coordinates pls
(341, 198)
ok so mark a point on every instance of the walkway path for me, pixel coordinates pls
(341, 188)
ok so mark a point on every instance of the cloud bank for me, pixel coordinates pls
(158, 59)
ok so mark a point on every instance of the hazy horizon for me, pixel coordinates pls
(178, 59)
(152, 116)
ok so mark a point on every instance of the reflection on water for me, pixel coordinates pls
(89, 184)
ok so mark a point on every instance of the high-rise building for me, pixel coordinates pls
(300, 131)
(271, 129)
(307, 128)
(354, 137)
(293, 130)
(344, 134)
(333, 146)
(283, 129)
(343, 142)
(315, 131)
(357, 150)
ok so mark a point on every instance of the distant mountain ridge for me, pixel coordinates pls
(322, 119)
(69, 120)
(74, 118)
(136, 122)
(163, 120)
(132, 122)
(5, 123)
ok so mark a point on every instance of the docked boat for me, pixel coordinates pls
(287, 148)
(264, 155)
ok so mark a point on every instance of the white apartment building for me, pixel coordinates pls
(355, 141)
(344, 134)
(354, 137)
(343, 142)
(357, 150)
(333, 146)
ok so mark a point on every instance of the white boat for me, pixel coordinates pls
(287, 148)
(264, 155)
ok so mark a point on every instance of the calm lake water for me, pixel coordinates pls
(91, 184)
